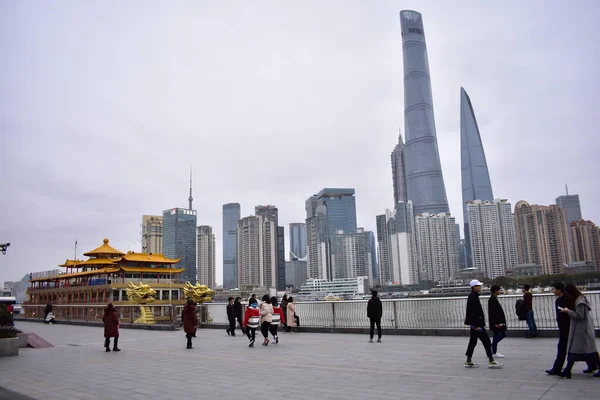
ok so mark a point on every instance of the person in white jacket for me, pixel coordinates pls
(266, 317)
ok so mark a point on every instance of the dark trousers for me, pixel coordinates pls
(232, 326)
(561, 350)
(251, 333)
(531, 323)
(107, 342)
(241, 322)
(189, 339)
(498, 336)
(372, 330)
(264, 329)
(273, 329)
(297, 318)
(485, 340)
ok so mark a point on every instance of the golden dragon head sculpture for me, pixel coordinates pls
(141, 294)
(198, 293)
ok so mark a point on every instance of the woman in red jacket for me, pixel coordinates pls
(111, 327)
(278, 318)
(190, 321)
(251, 321)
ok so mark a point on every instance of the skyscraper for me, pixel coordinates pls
(542, 236)
(586, 240)
(436, 247)
(570, 203)
(424, 179)
(272, 213)
(206, 256)
(330, 211)
(152, 231)
(231, 216)
(476, 184)
(179, 240)
(493, 238)
(399, 171)
(298, 239)
(353, 257)
(257, 251)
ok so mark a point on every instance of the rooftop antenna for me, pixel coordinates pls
(567, 189)
(75, 258)
(190, 199)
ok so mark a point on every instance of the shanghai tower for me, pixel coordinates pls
(476, 184)
(424, 180)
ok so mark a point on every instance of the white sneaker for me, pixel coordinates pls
(498, 355)
(495, 364)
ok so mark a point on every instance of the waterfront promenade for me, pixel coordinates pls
(155, 364)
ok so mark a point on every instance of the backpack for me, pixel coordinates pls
(520, 310)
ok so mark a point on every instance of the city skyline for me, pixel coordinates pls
(103, 68)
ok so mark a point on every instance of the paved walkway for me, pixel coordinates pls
(155, 364)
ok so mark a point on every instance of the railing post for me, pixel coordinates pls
(87, 313)
(333, 312)
(396, 322)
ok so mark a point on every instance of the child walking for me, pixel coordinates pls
(278, 318)
(251, 320)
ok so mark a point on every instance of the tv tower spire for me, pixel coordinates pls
(190, 199)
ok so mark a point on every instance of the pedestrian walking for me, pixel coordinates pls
(291, 313)
(497, 320)
(231, 317)
(238, 309)
(564, 322)
(374, 313)
(266, 317)
(278, 317)
(528, 308)
(475, 319)
(284, 303)
(582, 340)
(190, 321)
(111, 327)
(252, 321)
(48, 310)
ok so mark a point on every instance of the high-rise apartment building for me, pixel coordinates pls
(179, 240)
(272, 213)
(295, 273)
(399, 171)
(374, 276)
(492, 235)
(298, 239)
(329, 211)
(353, 257)
(586, 242)
(542, 236)
(570, 203)
(476, 183)
(206, 256)
(257, 251)
(424, 180)
(152, 231)
(231, 216)
(436, 247)
(398, 263)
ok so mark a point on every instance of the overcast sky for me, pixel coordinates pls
(105, 105)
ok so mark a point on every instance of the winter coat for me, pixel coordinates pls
(284, 304)
(582, 338)
(562, 319)
(266, 313)
(374, 308)
(278, 316)
(291, 311)
(111, 322)
(237, 308)
(475, 316)
(252, 317)
(48, 309)
(189, 318)
(528, 299)
(496, 314)
(231, 311)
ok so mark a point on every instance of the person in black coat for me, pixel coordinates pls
(497, 320)
(239, 313)
(475, 319)
(374, 312)
(231, 317)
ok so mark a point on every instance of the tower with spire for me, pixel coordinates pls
(190, 199)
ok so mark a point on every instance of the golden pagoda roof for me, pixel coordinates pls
(103, 251)
(70, 263)
(147, 258)
(146, 270)
(98, 262)
(77, 274)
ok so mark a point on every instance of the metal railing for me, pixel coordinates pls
(440, 313)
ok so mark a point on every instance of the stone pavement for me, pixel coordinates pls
(155, 364)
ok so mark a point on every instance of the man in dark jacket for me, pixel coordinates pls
(231, 317)
(528, 308)
(475, 319)
(374, 312)
(497, 320)
(48, 309)
(238, 310)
